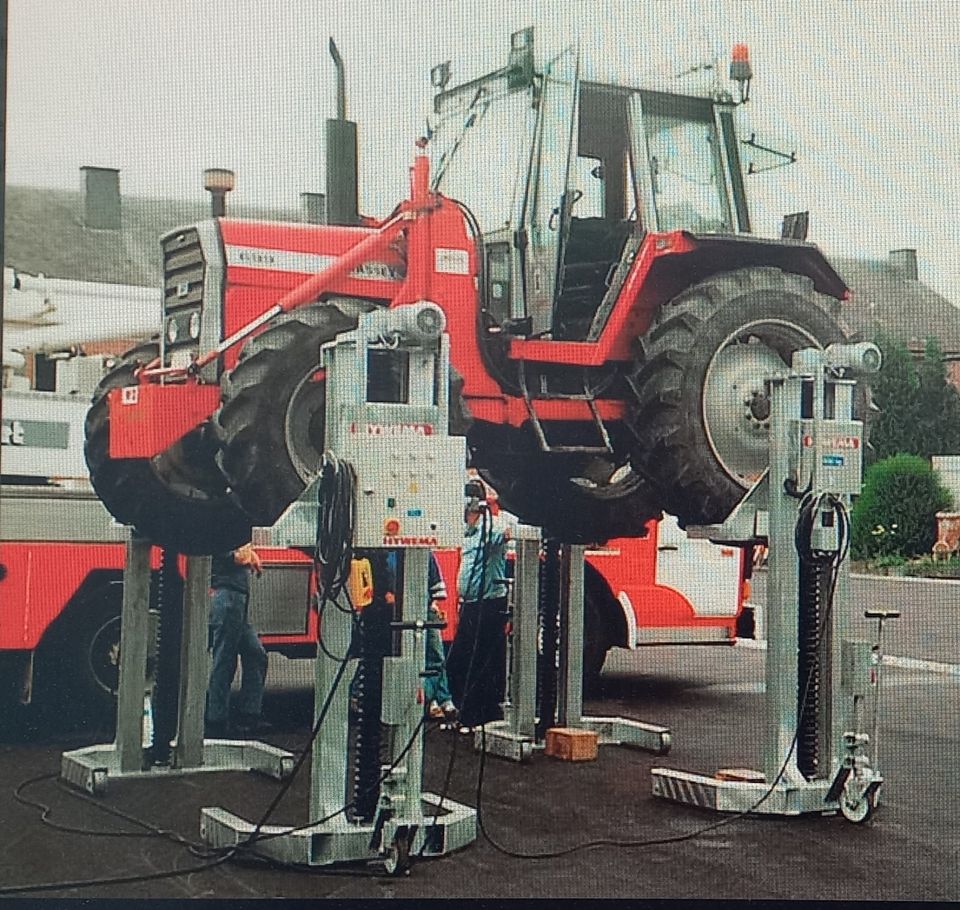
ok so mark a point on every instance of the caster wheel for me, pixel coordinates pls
(397, 861)
(858, 810)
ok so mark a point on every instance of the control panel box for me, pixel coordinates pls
(831, 455)
(409, 491)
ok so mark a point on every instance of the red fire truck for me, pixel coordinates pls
(62, 556)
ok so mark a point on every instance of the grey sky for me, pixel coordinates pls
(865, 92)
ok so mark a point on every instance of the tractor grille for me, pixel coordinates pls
(183, 274)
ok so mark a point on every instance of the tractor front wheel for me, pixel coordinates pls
(271, 419)
(178, 498)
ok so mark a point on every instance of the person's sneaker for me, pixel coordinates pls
(435, 712)
(449, 712)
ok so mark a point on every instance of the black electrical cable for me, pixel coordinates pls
(117, 880)
(95, 882)
(45, 812)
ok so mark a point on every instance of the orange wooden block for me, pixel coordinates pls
(741, 774)
(570, 744)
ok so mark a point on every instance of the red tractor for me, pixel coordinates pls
(611, 316)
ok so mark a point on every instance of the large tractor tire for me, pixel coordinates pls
(177, 499)
(271, 420)
(702, 411)
(575, 499)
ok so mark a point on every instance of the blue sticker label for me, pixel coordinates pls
(414, 513)
(833, 461)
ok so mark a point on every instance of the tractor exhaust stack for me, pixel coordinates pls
(341, 134)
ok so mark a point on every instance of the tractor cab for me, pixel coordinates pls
(565, 177)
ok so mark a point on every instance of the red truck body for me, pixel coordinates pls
(62, 558)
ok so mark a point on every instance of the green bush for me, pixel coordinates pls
(895, 514)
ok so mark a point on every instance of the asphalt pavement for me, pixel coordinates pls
(590, 823)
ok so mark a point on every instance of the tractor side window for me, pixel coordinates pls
(685, 170)
(481, 154)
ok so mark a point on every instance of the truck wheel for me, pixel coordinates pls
(701, 411)
(177, 499)
(270, 423)
(78, 671)
(596, 639)
(580, 500)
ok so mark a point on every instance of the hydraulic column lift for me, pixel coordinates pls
(547, 604)
(172, 742)
(408, 497)
(814, 753)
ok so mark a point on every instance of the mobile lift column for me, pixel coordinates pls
(547, 604)
(814, 756)
(408, 496)
(172, 742)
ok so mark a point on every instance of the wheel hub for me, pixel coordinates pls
(737, 408)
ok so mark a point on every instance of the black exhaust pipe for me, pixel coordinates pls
(342, 204)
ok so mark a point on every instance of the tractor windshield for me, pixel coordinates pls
(481, 151)
(686, 172)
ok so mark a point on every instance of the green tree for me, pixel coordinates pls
(895, 514)
(938, 405)
(895, 392)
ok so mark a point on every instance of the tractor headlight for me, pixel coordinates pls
(193, 327)
(173, 330)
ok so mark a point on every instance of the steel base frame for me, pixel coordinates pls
(342, 841)
(91, 768)
(743, 796)
(514, 738)
(502, 742)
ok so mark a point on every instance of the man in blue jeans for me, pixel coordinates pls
(436, 688)
(231, 637)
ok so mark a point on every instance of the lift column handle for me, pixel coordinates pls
(881, 613)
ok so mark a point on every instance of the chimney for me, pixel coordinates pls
(904, 263)
(314, 208)
(101, 198)
(218, 181)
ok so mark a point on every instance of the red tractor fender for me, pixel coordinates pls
(665, 265)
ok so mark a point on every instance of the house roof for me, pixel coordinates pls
(883, 300)
(44, 233)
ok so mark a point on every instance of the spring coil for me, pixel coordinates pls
(815, 575)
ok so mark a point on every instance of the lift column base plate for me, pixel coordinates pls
(340, 840)
(90, 768)
(741, 795)
(502, 742)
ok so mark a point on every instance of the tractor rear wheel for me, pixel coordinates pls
(702, 411)
(271, 420)
(177, 499)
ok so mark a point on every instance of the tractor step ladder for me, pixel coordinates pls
(605, 449)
